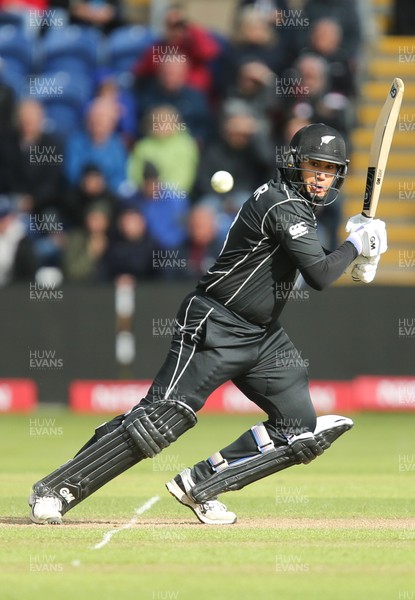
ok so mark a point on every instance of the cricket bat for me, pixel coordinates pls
(379, 149)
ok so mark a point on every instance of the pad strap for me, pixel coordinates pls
(217, 462)
(155, 426)
(261, 437)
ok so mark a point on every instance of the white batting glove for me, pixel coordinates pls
(370, 239)
(360, 260)
(354, 222)
(364, 269)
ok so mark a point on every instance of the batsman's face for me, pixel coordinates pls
(318, 176)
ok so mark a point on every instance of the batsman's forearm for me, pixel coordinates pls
(325, 272)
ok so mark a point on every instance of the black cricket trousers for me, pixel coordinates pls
(212, 345)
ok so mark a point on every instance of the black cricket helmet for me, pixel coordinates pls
(316, 142)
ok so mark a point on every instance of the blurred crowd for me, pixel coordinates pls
(110, 132)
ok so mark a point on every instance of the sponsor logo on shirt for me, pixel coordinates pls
(298, 229)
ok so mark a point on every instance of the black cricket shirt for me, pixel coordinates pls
(273, 236)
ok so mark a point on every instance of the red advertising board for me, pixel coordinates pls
(118, 397)
(17, 395)
(384, 393)
(365, 393)
(106, 396)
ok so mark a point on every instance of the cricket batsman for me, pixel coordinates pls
(228, 328)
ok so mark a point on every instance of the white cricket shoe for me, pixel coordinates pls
(211, 512)
(45, 510)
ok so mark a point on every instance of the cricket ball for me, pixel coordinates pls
(222, 182)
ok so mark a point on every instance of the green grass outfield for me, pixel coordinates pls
(340, 528)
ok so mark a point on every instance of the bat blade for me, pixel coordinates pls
(379, 149)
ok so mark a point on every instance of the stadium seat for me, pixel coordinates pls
(125, 45)
(72, 49)
(14, 79)
(64, 97)
(11, 18)
(16, 50)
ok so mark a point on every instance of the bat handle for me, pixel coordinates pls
(364, 214)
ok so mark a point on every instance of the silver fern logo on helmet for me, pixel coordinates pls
(327, 138)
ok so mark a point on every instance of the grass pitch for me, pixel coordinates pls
(342, 527)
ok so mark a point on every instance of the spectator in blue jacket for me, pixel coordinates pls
(170, 87)
(165, 209)
(108, 86)
(132, 250)
(99, 144)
